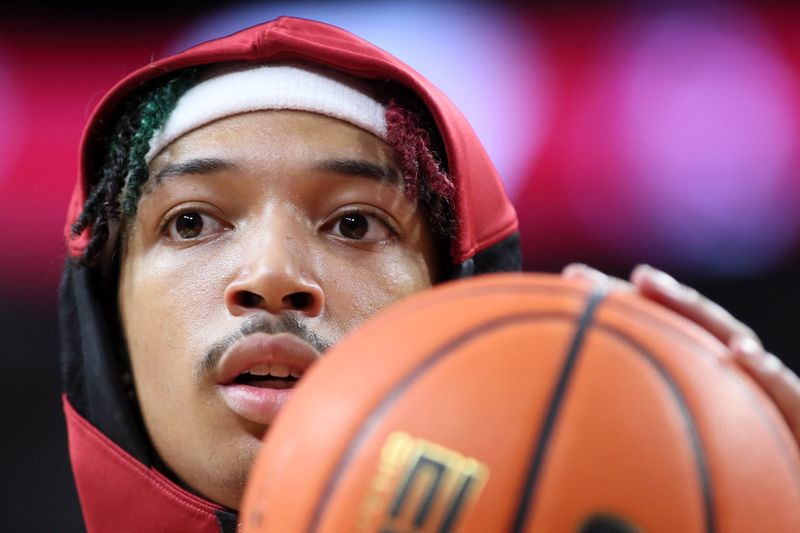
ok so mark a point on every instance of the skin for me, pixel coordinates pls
(272, 229)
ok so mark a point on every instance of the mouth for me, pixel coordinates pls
(257, 375)
(273, 376)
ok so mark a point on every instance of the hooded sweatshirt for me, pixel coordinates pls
(119, 484)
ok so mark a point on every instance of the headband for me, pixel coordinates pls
(295, 87)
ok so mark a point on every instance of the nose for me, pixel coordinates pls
(270, 277)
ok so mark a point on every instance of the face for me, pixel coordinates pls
(260, 240)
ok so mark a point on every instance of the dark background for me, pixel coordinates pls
(614, 138)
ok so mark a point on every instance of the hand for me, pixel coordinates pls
(777, 380)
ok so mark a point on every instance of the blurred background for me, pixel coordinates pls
(626, 132)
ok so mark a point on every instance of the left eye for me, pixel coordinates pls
(359, 226)
(192, 225)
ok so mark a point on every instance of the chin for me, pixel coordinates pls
(229, 474)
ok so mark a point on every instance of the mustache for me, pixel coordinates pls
(289, 323)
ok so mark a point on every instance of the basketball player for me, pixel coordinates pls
(242, 206)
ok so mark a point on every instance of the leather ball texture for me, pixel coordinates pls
(526, 403)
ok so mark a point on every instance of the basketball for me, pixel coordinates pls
(526, 403)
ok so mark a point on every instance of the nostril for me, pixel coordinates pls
(248, 299)
(299, 300)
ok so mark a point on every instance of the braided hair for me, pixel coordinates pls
(119, 182)
(412, 136)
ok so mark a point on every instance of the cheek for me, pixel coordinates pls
(356, 291)
(168, 311)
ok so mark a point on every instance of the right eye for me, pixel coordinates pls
(190, 225)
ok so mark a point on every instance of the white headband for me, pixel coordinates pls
(265, 87)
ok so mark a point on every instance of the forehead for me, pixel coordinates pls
(277, 138)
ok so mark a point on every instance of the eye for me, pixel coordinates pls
(192, 225)
(360, 226)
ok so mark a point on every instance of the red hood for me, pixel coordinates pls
(485, 215)
(119, 494)
(118, 482)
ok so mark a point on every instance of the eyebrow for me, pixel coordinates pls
(197, 166)
(343, 167)
(360, 168)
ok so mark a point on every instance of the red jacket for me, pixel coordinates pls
(116, 472)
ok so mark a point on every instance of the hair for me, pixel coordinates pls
(415, 140)
(118, 183)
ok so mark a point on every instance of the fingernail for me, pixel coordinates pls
(771, 363)
(747, 346)
(659, 277)
(585, 271)
(749, 352)
(576, 266)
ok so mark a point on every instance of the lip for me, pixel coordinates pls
(261, 404)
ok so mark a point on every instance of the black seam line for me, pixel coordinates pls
(372, 420)
(688, 419)
(785, 446)
(525, 506)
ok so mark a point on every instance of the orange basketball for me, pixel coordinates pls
(526, 403)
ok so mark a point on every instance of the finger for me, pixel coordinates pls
(776, 379)
(594, 276)
(664, 289)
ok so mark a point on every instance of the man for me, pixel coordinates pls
(242, 206)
